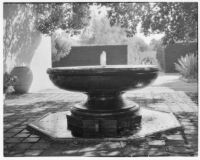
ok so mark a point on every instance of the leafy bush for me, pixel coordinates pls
(61, 46)
(148, 61)
(188, 66)
(8, 82)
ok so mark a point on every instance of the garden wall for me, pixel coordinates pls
(168, 56)
(90, 55)
(40, 62)
(20, 37)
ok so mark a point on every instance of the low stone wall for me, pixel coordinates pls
(90, 55)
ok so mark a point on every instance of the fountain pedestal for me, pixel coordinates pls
(101, 117)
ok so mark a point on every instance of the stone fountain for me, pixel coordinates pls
(106, 113)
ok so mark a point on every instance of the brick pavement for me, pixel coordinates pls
(20, 110)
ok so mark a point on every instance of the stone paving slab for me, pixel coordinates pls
(20, 110)
(152, 122)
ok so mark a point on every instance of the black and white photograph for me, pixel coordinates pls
(100, 79)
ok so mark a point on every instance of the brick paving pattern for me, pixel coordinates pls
(22, 109)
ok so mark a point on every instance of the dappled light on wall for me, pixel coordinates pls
(20, 36)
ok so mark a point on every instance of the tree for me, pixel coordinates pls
(177, 20)
(76, 16)
(155, 44)
(67, 16)
(127, 15)
(100, 32)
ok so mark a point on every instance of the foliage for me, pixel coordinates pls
(61, 46)
(139, 44)
(155, 44)
(100, 32)
(8, 82)
(148, 61)
(178, 20)
(146, 57)
(127, 15)
(188, 66)
(76, 16)
(66, 16)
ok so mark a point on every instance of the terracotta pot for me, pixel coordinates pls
(24, 79)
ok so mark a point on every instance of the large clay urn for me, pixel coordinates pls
(23, 79)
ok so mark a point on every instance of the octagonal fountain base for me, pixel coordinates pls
(55, 126)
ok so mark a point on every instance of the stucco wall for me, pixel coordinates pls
(170, 54)
(40, 62)
(20, 38)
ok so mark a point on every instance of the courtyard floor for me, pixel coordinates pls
(167, 94)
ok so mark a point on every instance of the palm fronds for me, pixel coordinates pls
(188, 66)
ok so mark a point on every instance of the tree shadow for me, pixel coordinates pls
(35, 110)
(20, 37)
(87, 149)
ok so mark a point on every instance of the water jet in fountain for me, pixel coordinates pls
(103, 58)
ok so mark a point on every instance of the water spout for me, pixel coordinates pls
(103, 59)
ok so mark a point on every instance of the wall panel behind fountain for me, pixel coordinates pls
(90, 55)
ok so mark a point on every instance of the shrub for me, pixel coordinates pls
(148, 61)
(61, 46)
(188, 66)
(8, 82)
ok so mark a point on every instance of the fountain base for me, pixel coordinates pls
(55, 126)
(104, 120)
(102, 127)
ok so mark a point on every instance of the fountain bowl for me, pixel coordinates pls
(103, 80)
